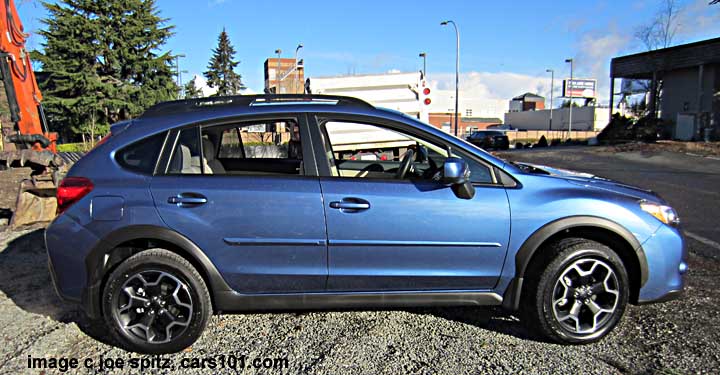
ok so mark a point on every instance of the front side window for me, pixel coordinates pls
(244, 148)
(363, 150)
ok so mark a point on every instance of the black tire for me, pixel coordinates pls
(175, 284)
(560, 322)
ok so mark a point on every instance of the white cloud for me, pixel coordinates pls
(201, 83)
(593, 59)
(487, 85)
(698, 18)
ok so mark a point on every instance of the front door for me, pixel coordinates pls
(394, 232)
(246, 200)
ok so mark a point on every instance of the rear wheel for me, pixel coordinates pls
(577, 293)
(156, 302)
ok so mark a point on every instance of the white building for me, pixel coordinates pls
(583, 118)
(443, 101)
(399, 91)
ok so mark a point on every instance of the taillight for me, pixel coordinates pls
(71, 190)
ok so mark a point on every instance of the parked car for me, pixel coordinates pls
(489, 139)
(170, 220)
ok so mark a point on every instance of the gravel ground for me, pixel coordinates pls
(669, 338)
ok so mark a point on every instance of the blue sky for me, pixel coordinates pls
(505, 45)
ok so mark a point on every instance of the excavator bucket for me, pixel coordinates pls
(35, 203)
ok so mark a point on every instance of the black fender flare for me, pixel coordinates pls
(511, 300)
(95, 260)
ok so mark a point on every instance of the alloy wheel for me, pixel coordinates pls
(585, 296)
(153, 306)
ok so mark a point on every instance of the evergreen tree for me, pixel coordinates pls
(191, 90)
(221, 69)
(102, 62)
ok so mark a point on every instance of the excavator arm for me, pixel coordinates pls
(30, 130)
(26, 141)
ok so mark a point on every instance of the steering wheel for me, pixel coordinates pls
(405, 164)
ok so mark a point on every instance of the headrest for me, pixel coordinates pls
(208, 149)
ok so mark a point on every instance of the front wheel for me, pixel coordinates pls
(576, 293)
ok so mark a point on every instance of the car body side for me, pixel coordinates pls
(96, 233)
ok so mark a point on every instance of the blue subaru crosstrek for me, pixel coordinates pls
(305, 202)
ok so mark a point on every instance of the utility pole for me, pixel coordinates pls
(571, 96)
(178, 75)
(297, 72)
(277, 72)
(552, 83)
(457, 69)
(424, 57)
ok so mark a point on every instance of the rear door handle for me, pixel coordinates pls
(187, 200)
(350, 205)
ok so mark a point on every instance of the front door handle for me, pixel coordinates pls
(188, 200)
(350, 205)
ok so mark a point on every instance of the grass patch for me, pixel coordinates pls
(73, 147)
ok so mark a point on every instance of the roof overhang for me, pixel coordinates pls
(643, 65)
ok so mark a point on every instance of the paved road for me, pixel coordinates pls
(691, 184)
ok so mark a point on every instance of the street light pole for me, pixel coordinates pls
(571, 97)
(457, 69)
(296, 68)
(552, 83)
(178, 72)
(424, 57)
(277, 72)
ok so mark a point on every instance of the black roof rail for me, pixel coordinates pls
(190, 105)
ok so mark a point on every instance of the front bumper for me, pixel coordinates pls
(669, 296)
(666, 255)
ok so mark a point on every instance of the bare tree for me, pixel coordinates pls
(660, 32)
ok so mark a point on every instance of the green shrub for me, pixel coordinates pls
(73, 147)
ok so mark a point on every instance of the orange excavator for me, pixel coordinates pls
(27, 141)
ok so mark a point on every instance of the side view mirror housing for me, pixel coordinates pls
(422, 154)
(456, 173)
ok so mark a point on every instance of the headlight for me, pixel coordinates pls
(666, 214)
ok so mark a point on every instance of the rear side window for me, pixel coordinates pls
(142, 155)
(246, 148)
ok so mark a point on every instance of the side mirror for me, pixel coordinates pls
(456, 173)
(422, 154)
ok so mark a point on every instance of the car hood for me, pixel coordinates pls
(592, 181)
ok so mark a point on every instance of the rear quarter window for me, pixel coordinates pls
(141, 156)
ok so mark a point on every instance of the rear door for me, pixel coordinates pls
(244, 194)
